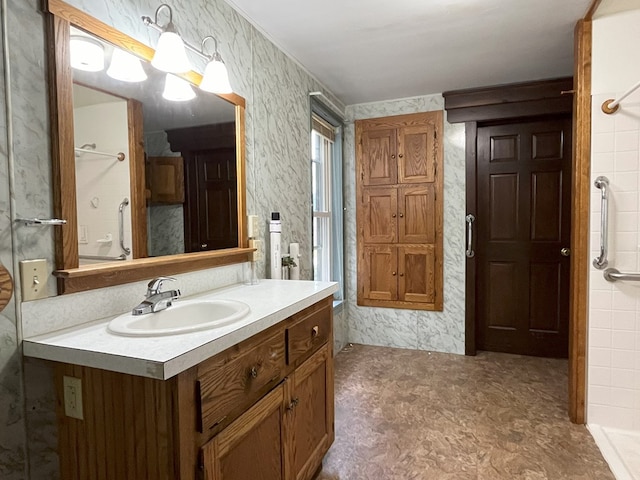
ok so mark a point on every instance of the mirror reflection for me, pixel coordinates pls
(125, 111)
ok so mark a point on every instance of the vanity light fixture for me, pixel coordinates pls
(86, 53)
(216, 77)
(170, 55)
(177, 89)
(126, 67)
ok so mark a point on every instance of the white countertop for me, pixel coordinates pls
(92, 345)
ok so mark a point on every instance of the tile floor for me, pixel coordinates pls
(411, 415)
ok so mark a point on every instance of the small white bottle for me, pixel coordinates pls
(275, 231)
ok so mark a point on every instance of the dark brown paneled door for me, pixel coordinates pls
(523, 230)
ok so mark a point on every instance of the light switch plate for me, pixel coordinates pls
(34, 276)
(83, 234)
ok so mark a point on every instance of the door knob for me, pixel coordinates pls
(565, 252)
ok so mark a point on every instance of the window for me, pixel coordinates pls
(326, 174)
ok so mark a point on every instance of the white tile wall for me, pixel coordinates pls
(614, 309)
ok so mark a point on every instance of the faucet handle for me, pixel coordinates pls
(155, 285)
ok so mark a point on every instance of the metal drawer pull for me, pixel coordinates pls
(601, 261)
(253, 372)
(315, 331)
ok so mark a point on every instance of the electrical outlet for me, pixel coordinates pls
(72, 397)
(258, 255)
(34, 276)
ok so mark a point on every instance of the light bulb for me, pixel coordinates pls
(86, 54)
(216, 77)
(126, 67)
(177, 89)
(171, 55)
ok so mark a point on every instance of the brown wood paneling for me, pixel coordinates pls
(166, 180)
(416, 154)
(503, 204)
(417, 274)
(231, 381)
(6, 287)
(96, 447)
(471, 134)
(380, 217)
(104, 275)
(381, 264)
(545, 305)
(417, 215)
(491, 103)
(523, 222)
(581, 191)
(546, 219)
(251, 447)
(405, 214)
(137, 179)
(504, 148)
(379, 147)
(308, 334)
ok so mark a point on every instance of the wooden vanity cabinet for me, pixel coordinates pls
(260, 410)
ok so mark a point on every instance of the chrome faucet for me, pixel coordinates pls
(156, 300)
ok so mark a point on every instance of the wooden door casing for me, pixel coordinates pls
(523, 222)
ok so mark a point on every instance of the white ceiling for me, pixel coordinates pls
(610, 7)
(371, 50)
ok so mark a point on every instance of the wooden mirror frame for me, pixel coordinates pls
(70, 276)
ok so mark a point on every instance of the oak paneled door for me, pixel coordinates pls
(523, 231)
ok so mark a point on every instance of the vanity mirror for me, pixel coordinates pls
(148, 185)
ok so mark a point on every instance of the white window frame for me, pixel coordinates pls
(323, 255)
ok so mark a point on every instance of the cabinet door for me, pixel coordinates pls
(417, 214)
(379, 214)
(252, 447)
(379, 276)
(416, 270)
(417, 154)
(379, 165)
(311, 414)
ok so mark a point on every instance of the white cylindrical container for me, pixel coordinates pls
(294, 252)
(275, 231)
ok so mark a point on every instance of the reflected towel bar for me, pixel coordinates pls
(102, 257)
(613, 275)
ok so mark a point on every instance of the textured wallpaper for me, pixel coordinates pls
(278, 177)
(438, 331)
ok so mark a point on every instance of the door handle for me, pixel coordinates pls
(470, 219)
(565, 252)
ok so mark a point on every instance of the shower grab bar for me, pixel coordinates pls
(601, 261)
(123, 204)
(613, 275)
(102, 257)
(469, 252)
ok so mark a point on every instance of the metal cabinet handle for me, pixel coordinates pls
(294, 403)
(253, 372)
(315, 331)
(393, 215)
(600, 262)
(565, 252)
(470, 219)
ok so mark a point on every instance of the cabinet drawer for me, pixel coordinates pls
(308, 334)
(231, 382)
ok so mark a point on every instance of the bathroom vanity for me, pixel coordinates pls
(251, 400)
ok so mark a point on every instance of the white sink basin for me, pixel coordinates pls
(181, 317)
